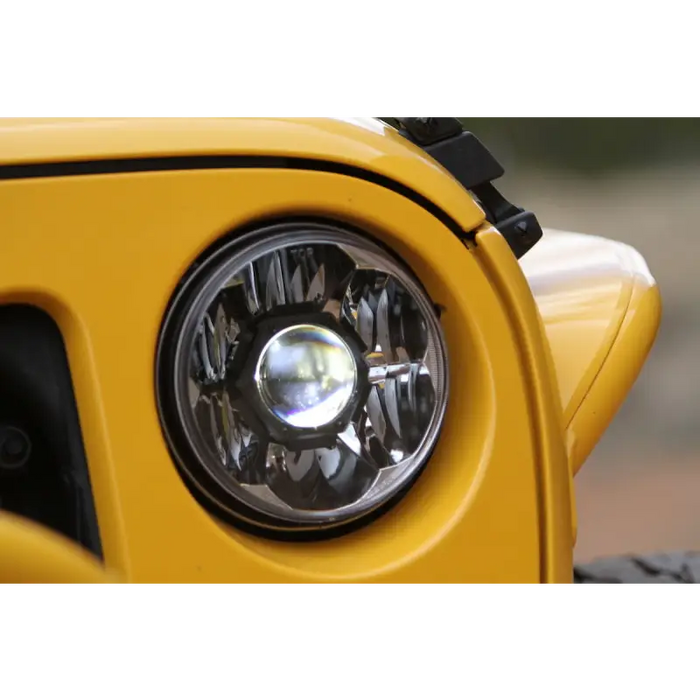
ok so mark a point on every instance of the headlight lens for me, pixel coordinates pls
(306, 376)
(302, 377)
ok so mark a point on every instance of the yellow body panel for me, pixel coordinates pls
(32, 554)
(103, 255)
(601, 311)
(555, 489)
(362, 143)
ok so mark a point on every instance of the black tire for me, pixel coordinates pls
(677, 567)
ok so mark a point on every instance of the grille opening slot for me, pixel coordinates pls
(43, 468)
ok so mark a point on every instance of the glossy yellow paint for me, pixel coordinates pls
(31, 554)
(601, 311)
(103, 254)
(555, 488)
(363, 143)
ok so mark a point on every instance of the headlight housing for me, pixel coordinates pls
(302, 378)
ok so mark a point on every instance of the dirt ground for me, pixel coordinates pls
(640, 490)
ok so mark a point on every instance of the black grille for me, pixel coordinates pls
(43, 469)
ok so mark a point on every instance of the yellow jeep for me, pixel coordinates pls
(295, 350)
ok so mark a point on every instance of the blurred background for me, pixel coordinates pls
(637, 181)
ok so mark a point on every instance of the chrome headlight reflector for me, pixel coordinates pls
(302, 377)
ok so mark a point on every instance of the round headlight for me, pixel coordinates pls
(302, 377)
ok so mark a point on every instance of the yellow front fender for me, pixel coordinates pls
(601, 311)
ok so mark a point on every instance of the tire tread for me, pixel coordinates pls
(675, 567)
